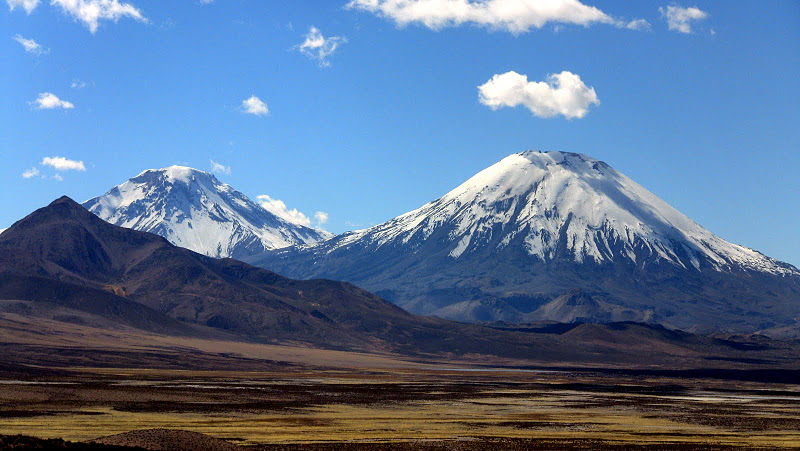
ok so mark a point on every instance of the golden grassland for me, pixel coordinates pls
(262, 394)
(380, 406)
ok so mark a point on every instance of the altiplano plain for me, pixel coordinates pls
(103, 382)
(311, 409)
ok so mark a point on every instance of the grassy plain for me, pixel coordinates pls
(79, 382)
(403, 406)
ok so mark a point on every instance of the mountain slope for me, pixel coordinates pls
(87, 260)
(62, 260)
(193, 209)
(538, 224)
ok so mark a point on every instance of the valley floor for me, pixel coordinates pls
(60, 380)
(403, 408)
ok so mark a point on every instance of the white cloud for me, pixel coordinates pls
(57, 163)
(31, 46)
(91, 12)
(2, 230)
(515, 16)
(63, 164)
(27, 5)
(638, 24)
(320, 218)
(562, 94)
(318, 47)
(279, 209)
(254, 105)
(49, 101)
(220, 168)
(30, 173)
(77, 84)
(680, 19)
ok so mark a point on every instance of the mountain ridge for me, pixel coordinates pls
(80, 275)
(87, 261)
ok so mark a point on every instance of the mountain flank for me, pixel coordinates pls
(62, 259)
(538, 225)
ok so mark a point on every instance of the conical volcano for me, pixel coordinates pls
(535, 225)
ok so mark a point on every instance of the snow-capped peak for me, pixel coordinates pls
(181, 173)
(193, 209)
(546, 201)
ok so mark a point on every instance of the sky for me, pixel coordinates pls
(363, 110)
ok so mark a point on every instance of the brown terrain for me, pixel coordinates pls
(116, 337)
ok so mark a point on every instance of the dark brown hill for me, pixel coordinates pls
(167, 440)
(65, 255)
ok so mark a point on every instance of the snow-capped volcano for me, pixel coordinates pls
(193, 209)
(536, 225)
(557, 200)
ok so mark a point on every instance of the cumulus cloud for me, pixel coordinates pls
(220, 168)
(562, 94)
(318, 47)
(78, 84)
(680, 19)
(255, 106)
(515, 16)
(279, 209)
(91, 12)
(50, 101)
(3, 230)
(63, 164)
(27, 5)
(320, 218)
(59, 164)
(31, 46)
(294, 216)
(30, 173)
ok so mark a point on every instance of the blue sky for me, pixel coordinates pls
(391, 118)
